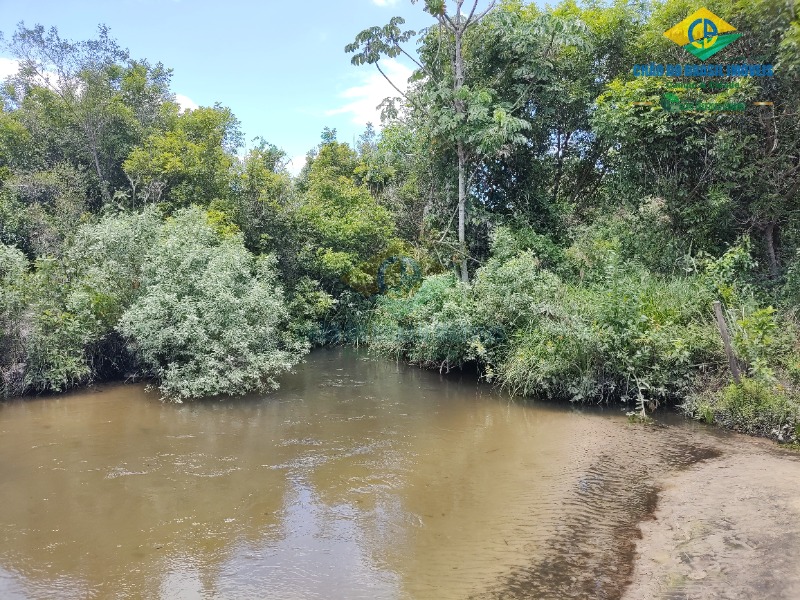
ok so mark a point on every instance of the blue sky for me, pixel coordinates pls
(279, 65)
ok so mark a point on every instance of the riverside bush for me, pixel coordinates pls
(753, 407)
(13, 267)
(211, 317)
(76, 299)
(633, 334)
(428, 328)
(181, 301)
(622, 333)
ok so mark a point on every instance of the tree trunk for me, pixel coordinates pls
(733, 362)
(771, 235)
(92, 139)
(458, 67)
(462, 211)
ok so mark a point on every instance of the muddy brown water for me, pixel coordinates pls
(359, 478)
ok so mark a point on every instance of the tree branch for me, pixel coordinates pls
(391, 83)
(416, 62)
(481, 15)
(411, 100)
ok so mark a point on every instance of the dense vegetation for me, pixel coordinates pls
(520, 212)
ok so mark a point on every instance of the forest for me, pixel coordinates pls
(536, 206)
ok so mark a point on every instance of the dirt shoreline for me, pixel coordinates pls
(725, 528)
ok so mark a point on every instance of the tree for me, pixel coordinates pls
(466, 110)
(343, 231)
(85, 102)
(376, 42)
(190, 162)
(13, 271)
(715, 176)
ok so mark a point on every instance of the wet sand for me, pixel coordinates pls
(724, 528)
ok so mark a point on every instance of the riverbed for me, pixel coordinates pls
(365, 478)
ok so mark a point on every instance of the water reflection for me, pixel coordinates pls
(359, 479)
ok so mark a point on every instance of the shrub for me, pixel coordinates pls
(508, 242)
(758, 408)
(210, 318)
(429, 328)
(555, 358)
(13, 267)
(76, 300)
(623, 332)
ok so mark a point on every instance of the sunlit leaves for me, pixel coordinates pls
(377, 42)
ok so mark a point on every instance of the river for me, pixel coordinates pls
(365, 478)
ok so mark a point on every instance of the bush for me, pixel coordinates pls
(13, 268)
(555, 358)
(757, 408)
(508, 242)
(623, 332)
(635, 334)
(76, 300)
(211, 318)
(428, 328)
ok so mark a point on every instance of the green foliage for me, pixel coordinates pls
(190, 163)
(790, 292)
(203, 315)
(429, 328)
(308, 306)
(759, 408)
(210, 318)
(73, 303)
(344, 229)
(729, 275)
(628, 334)
(508, 242)
(599, 231)
(41, 208)
(13, 271)
(55, 357)
(755, 339)
(85, 103)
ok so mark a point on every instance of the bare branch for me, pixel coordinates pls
(399, 91)
(491, 7)
(386, 77)
(416, 62)
(471, 14)
(444, 19)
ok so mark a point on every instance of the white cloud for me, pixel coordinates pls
(8, 67)
(384, 2)
(365, 98)
(296, 164)
(185, 102)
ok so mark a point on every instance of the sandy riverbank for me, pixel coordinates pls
(725, 528)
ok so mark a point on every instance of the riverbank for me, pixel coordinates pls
(727, 528)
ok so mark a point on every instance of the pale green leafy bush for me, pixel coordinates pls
(211, 318)
(13, 268)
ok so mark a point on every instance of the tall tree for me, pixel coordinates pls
(473, 113)
(376, 42)
(190, 163)
(87, 102)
